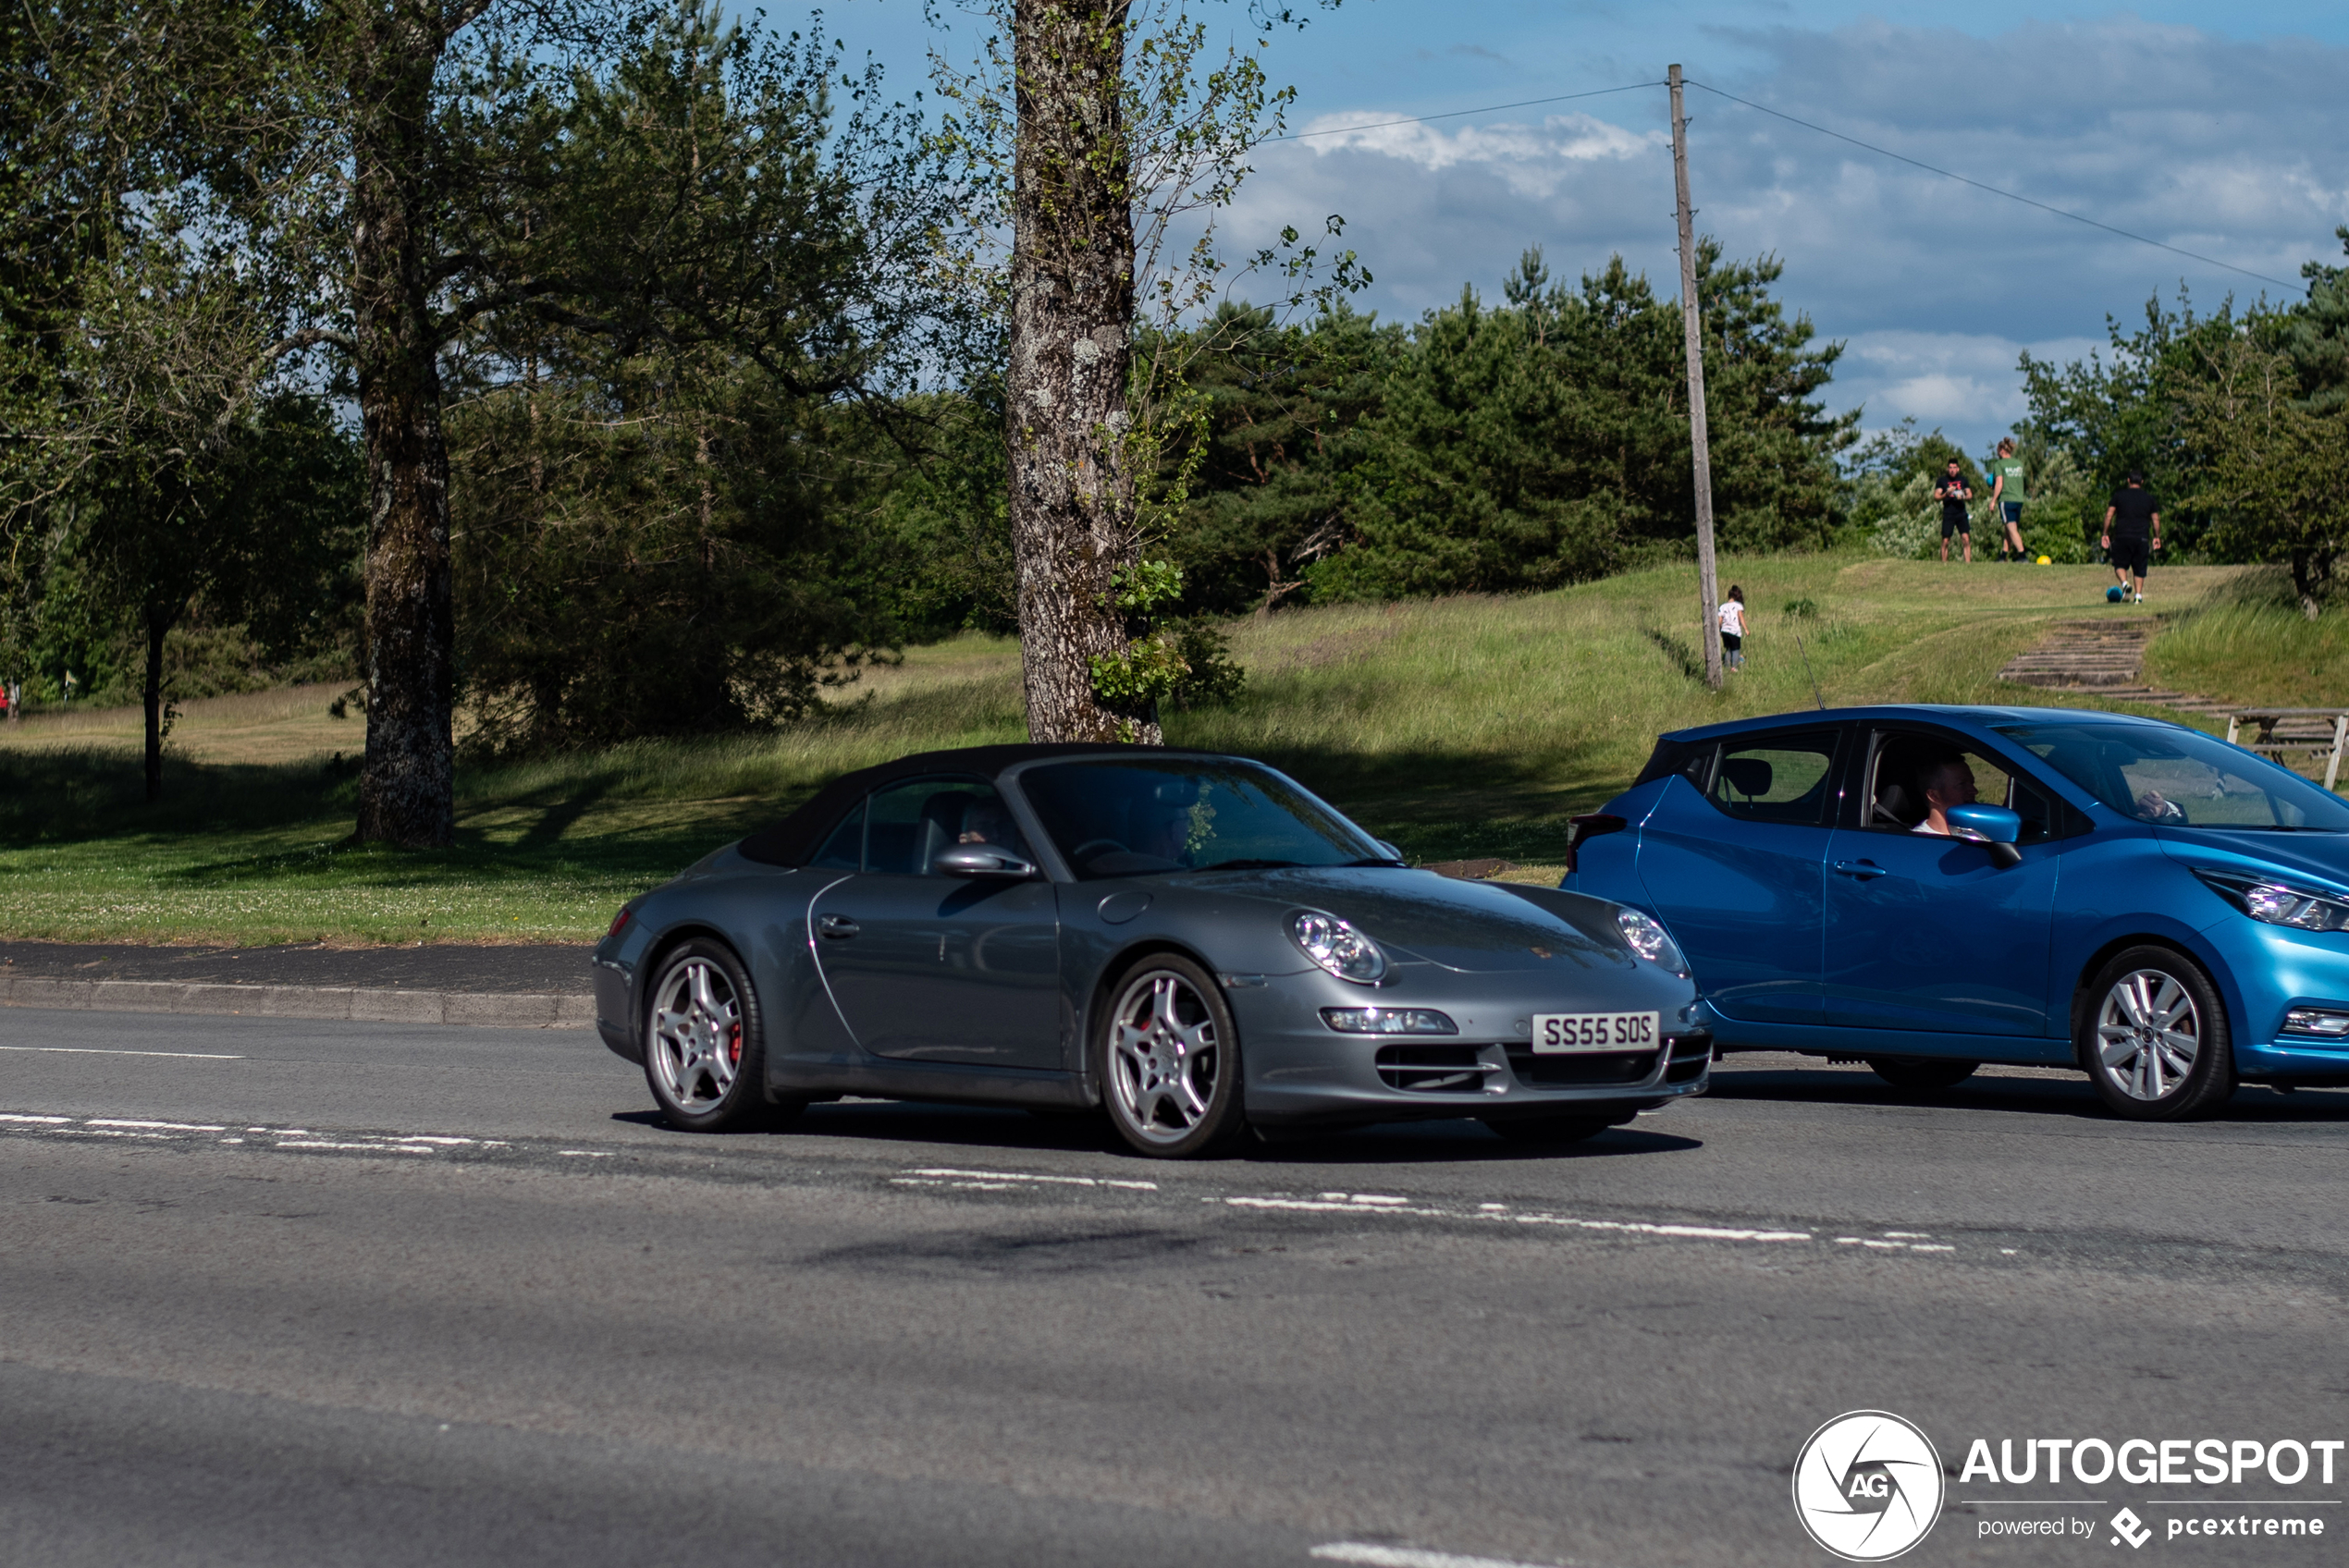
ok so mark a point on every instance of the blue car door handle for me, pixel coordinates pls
(1863, 869)
(835, 926)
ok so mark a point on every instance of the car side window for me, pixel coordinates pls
(906, 825)
(844, 850)
(1780, 777)
(1902, 768)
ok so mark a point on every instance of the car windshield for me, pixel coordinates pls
(2182, 779)
(1133, 818)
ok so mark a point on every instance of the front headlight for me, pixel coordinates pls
(1652, 941)
(2277, 903)
(1337, 947)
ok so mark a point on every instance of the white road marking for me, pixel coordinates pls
(954, 1174)
(1372, 1556)
(585, 1154)
(371, 1148)
(44, 1120)
(162, 1126)
(92, 1050)
(1326, 1204)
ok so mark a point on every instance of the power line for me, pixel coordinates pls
(1823, 130)
(1456, 114)
(1961, 179)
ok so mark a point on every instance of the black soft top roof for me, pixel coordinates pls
(798, 836)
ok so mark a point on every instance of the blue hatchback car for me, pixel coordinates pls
(1929, 888)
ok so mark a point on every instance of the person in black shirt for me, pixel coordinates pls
(1953, 494)
(2132, 532)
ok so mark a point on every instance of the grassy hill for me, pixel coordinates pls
(1461, 727)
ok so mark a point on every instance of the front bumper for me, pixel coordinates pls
(1301, 1073)
(2275, 969)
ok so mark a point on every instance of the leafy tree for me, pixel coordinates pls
(2125, 408)
(2268, 466)
(1547, 441)
(2316, 334)
(666, 477)
(1280, 410)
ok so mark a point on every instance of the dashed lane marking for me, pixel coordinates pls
(948, 1173)
(1371, 1555)
(95, 1050)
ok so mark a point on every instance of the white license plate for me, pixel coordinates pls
(1558, 1032)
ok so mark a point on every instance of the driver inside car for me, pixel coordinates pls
(1944, 781)
(986, 821)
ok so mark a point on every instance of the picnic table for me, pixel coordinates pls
(2286, 733)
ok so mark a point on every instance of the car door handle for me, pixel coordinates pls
(835, 926)
(1863, 869)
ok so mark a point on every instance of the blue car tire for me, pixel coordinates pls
(2153, 1036)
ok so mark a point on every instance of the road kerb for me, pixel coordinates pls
(496, 1009)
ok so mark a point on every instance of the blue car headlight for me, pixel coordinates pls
(1648, 939)
(1337, 947)
(2272, 902)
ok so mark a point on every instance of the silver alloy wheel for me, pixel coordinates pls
(697, 1034)
(2148, 1034)
(1162, 1057)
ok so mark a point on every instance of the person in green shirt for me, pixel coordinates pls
(2006, 499)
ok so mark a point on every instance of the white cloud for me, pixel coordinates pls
(2228, 147)
(1530, 159)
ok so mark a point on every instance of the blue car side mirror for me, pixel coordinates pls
(1994, 826)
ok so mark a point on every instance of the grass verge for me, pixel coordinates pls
(1457, 728)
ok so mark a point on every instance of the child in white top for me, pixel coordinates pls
(1733, 627)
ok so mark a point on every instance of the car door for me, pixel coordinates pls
(1934, 934)
(1733, 858)
(925, 967)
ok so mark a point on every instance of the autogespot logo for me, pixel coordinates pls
(1867, 1486)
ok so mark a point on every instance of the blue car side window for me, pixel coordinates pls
(1780, 777)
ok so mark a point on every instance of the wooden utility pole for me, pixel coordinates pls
(1700, 447)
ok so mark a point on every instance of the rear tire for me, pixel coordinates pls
(1921, 1074)
(2154, 1037)
(705, 1043)
(1169, 1061)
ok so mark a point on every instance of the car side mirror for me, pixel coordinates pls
(981, 859)
(1389, 851)
(1994, 826)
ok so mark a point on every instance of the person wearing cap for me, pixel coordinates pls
(2005, 499)
(2132, 532)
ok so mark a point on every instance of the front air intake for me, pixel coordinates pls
(1434, 1070)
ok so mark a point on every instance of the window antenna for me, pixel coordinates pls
(1807, 671)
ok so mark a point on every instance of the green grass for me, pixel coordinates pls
(1458, 727)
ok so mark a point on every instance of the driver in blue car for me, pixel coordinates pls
(1944, 781)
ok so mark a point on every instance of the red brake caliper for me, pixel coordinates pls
(735, 1046)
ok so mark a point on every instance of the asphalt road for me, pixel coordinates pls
(287, 1293)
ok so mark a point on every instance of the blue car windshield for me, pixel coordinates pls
(2182, 779)
(1136, 818)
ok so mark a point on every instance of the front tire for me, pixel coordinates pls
(1169, 1061)
(1921, 1074)
(2154, 1037)
(705, 1042)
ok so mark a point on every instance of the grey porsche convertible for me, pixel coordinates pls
(1192, 942)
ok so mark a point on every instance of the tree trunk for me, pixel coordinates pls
(158, 627)
(1071, 485)
(407, 787)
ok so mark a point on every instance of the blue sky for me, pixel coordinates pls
(2220, 130)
